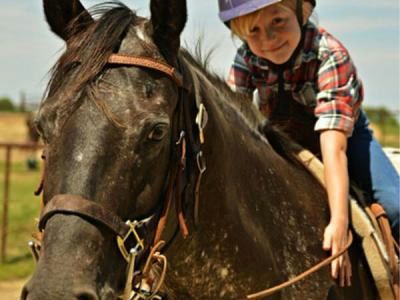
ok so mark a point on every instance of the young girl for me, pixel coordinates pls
(308, 86)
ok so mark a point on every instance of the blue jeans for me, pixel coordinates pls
(372, 171)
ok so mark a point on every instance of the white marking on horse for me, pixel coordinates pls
(140, 34)
(79, 157)
(223, 273)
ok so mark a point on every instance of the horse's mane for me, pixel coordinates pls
(240, 102)
(240, 106)
(90, 45)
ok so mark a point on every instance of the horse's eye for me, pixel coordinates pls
(37, 126)
(158, 132)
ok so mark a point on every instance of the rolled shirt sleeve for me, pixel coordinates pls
(340, 92)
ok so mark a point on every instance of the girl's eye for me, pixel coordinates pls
(278, 21)
(254, 30)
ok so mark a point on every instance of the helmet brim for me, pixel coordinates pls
(243, 9)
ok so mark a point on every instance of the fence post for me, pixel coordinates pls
(4, 225)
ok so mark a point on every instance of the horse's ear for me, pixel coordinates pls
(60, 13)
(168, 18)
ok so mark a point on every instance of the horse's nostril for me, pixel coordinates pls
(87, 295)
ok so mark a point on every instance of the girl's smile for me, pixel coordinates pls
(277, 48)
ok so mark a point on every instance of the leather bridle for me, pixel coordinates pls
(135, 237)
(149, 63)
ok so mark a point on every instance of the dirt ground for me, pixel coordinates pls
(10, 290)
(14, 129)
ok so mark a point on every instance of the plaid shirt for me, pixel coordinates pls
(323, 78)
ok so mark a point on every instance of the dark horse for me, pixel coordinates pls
(114, 148)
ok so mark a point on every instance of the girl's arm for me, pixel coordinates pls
(333, 147)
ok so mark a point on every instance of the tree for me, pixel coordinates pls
(22, 102)
(381, 116)
(387, 123)
(6, 104)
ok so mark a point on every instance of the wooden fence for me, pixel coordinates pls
(6, 198)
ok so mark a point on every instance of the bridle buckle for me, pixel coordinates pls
(122, 241)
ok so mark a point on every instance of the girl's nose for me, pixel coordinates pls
(269, 33)
(266, 38)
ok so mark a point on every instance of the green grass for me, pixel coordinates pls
(23, 210)
(390, 135)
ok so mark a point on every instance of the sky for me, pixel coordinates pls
(368, 29)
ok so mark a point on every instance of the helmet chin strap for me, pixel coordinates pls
(299, 12)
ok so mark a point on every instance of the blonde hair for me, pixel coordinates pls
(241, 26)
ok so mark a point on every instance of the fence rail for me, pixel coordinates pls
(4, 220)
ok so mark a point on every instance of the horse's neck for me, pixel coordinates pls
(232, 131)
(232, 138)
(247, 188)
(218, 97)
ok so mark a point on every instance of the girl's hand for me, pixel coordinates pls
(335, 239)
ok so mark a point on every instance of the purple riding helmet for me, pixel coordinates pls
(230, 9)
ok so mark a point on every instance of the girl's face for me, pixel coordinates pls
(275, 34)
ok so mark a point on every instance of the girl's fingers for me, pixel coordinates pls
(342, 275)
(341, 270)
(349, 271)
(327, 243)
(336, 263)
(334, 267)
(341, 266)
(345, 271)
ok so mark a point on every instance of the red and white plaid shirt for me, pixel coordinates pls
(322, 78)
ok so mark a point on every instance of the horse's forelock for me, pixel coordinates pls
(88, 49)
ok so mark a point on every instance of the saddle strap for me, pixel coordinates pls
(383, 222)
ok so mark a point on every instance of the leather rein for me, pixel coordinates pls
(134, 237)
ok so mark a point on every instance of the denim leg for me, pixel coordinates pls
(372, 171)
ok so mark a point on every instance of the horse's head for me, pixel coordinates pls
(108, 127)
